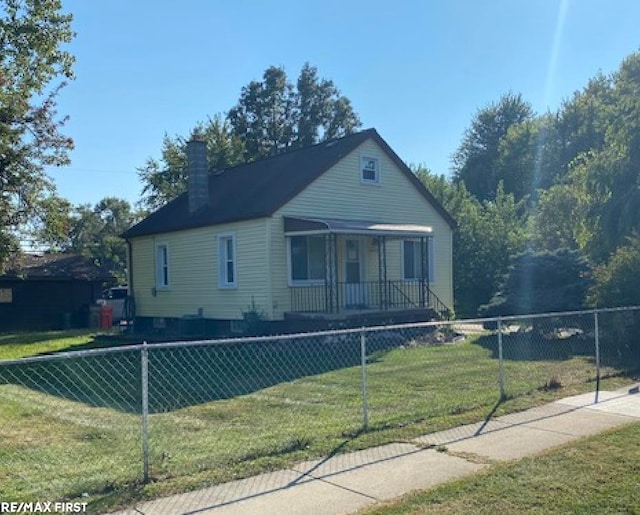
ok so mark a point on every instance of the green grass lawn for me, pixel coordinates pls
(25, 344)
(595, 475)
(71, 429)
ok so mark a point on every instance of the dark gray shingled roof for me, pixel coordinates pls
(260, 188)
(57, 266)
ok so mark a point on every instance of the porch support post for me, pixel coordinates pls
(422, 263)
(335, 273)
(384, 272)
(428, 267)
(328, 281)
(331, 259)
(379, 248)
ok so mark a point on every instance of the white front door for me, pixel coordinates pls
(355, 294)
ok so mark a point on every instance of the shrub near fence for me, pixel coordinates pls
(99, 423)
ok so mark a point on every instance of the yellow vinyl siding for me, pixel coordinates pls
(194, 269)
(261, 247)
(340, 193)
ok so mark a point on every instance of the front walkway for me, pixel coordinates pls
(349, 482)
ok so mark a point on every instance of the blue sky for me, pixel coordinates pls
(416, 70)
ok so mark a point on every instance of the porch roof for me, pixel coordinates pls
(299, 226)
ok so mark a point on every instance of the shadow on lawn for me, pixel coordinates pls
(531, 346)
(618, 350)
(186, 376)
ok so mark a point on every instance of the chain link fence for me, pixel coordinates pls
(110, 426)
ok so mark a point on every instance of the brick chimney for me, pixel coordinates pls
(197, 174)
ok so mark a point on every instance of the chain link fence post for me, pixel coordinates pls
(597, 342)
(500, 362)
(144, 356)
(363, 359)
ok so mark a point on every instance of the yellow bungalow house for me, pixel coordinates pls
(338, 231)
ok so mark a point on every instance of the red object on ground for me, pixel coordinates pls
(106, 317)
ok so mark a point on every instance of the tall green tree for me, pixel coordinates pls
(95, 232)
(617, 281)
(477, 160)
(166, 178)
(265, 115)
(323, 113)
(273, 115)
(488, 234)
(530, 157)
(558, 222)
(582, 121)
(92, 231)
(607, 177)
(33, 69)
(51, 225)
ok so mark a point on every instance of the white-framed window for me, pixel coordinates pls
(369, 169)
(306, 259)
(412, 266)
(162, 266)
(227, 274)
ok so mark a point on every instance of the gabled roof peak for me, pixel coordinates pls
(288, 151)
(259, 188)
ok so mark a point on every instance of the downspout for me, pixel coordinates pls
(130, 303)
(129, 266)
(270, 306)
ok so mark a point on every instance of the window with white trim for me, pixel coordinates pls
(412, 266)
(307, 261)
(369, 169)
(162, 266)
(227, 276)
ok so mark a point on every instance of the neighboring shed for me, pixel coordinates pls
(50, 291)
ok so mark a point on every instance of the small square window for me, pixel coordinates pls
(369, 169)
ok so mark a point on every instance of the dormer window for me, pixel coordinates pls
(369, 169)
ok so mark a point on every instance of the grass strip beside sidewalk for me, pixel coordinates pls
(598, 474)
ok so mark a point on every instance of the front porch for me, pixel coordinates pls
(363, 299)
(343, 269)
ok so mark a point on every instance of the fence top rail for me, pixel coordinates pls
(298, 336)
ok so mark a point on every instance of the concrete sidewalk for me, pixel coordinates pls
(348, 482)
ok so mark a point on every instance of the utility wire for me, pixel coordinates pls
(92, 170)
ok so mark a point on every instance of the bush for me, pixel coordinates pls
(541, 282)
(254, 320)
(617, 282)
